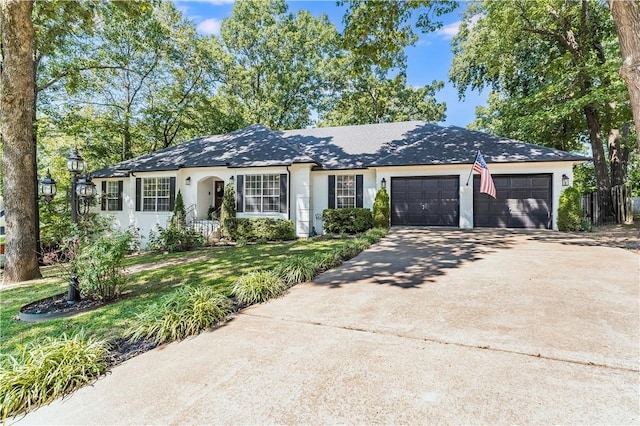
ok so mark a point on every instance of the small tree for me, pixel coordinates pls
(179, 213)
(228, 211)
(381, 210)
(569, 210)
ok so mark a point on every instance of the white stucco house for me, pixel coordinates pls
(296, 174)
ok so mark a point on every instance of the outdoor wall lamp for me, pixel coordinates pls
(83, 191)
(565, 180)
(231, 179)
(383, 183)
(188, 181)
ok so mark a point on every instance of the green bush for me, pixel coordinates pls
(228, 212)
(326, 261)
(46, 370)
(261, 229)
(175, 238)
(297, 269)
(185, 312)
(257, 287)
(347, 221)
(569, 210)
(99, 265)
(381, 210)
(179, 213)
(374, 235)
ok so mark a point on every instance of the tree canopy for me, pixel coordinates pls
(553, 69)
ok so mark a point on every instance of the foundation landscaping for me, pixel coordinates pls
(149, 299)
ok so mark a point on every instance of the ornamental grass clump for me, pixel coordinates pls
(183, 313)
(297, 269)
(49, 369)
(326, 261)
(258, 286)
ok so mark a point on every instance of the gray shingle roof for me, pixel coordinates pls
(348, 147)
(414, 143)
(253, 146)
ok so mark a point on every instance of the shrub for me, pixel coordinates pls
(569, 210)
(349, 221)
(261, 229)
(348, 251)
(179, 213)
(228, 211)
(44, 371)
(326, 261)
(185, 312)
(297, 269)
(381, 210)
(257, 287)
(102, 271)
(374, 235)
(175, 238)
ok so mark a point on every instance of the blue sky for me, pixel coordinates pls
(428, 60)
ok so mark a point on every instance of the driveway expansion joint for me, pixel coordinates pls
(458, 344)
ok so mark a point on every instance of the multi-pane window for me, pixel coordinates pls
(112, 196)
(262, 193)
(156, 194)
(345, 191)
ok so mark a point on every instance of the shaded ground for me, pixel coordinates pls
(429, 326)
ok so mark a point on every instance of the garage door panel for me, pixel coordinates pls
(425, 201)
(523, 201)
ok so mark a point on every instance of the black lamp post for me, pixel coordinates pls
(82, 193)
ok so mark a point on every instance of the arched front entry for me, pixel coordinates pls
(210, 192)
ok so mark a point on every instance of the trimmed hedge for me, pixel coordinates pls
(570, 210)
(260, 229)
(347, 221)
(382, 210)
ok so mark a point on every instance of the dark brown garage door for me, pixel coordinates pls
(522, 201)
(425, 201)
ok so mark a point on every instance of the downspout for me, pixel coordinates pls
(289, 194)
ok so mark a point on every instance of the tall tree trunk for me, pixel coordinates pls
(618, 158)
(18, 159)
(599, 160)
(626, 15)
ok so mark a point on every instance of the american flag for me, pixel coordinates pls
(486, 181)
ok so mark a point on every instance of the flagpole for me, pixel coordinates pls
(474, 163)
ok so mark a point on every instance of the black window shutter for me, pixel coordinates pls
(359, 191)
(240, 193)
(120, 191)
(332, 191)
(172, 193)
(138, 194)
(103, 203)
(283, 193)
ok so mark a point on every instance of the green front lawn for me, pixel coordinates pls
(213, 267)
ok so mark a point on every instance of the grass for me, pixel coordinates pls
(45, 370)
(258, 287)
(183, 313)
(219, 269)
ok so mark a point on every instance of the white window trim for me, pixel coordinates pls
(248, 181)
(155, 197)
(349, 198)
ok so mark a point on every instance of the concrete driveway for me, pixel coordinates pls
(426, 327)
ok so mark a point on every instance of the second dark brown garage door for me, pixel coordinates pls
(522, 201)
(425, 201)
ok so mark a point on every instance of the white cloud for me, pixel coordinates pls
(209, 26)
(449, 30)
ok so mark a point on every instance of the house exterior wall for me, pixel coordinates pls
(320, 191)
(556, 169)
(308, 191)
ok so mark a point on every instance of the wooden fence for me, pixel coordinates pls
(603, 207)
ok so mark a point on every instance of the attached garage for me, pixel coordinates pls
(522, 201)
(425, 201)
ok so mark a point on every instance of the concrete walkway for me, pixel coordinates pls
(426, 327)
